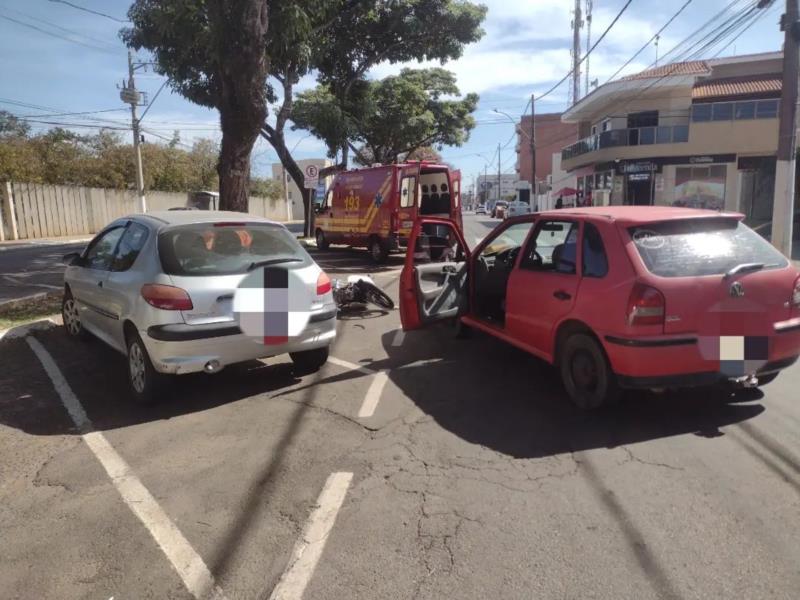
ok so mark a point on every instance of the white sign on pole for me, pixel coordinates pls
(312, 177)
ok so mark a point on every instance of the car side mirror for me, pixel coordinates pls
(72, 259)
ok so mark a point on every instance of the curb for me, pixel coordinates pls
(21, 331)
(15, 302)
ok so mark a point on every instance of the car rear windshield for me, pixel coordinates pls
(227, 249)
(697, 247)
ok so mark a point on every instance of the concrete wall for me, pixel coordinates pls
(61, 210)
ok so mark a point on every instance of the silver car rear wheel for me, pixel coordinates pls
(145, 381)
(136, 367)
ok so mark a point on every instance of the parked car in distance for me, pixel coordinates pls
(517, 208)
(159, 288)
(620, 297)
(481, 210)
(499, 209)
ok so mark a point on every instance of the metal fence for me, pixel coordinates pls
(30, 210)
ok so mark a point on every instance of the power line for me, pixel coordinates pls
(70, 114)
(89, 10)
(588, 52)
(55, 35)
(650, 41)
(59, 27)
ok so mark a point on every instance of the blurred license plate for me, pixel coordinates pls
(408, 224)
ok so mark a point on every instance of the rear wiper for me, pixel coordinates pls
(743, 268)
(272, 261)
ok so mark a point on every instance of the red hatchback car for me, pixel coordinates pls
(615, 297)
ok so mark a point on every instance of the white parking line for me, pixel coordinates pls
(399, 336)
(190, 567)
(373, 395)
(309, 547)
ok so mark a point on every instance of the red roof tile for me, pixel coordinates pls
(737, 86)
(694, 67)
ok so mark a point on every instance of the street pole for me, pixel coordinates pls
(485, 182)
(136, 135)
(576, 53)
(533, 150)
(498, 170)
(783, 205)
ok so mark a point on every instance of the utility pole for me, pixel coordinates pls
(130, 95)
(588, 41)
(783, 205)
(533, 150)
(658, 37)
(577, 23)
(498, 170)
(485, 182)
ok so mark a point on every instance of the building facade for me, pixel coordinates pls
(292, 194)
(552, 134)
(488, 188)
(699, 134)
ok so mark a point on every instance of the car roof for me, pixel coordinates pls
(633, 215)
(169, 218)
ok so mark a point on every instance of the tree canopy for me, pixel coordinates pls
(62, 157)
(391, 117)
(214, 54)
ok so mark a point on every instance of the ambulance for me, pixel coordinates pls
(375, 207)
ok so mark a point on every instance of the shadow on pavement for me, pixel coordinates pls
(355, 261)
(491, 394)
(98, 376)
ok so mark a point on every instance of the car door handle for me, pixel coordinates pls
(562, 295)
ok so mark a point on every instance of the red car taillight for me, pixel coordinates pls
(166, 297)
(323, 284)
(796, 294)
(646, 306)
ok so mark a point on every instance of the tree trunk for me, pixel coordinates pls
(240, 30)
(233, 167)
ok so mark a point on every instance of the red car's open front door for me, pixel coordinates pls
(433, 282)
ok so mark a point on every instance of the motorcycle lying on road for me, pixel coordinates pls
(359, 290)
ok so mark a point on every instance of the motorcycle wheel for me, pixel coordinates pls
(376, 295)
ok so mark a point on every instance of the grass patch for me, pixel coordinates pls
(25, 311)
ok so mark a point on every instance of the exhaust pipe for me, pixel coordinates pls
(212, 367)
(747, 382)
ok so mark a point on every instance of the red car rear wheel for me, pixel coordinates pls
(585, 372)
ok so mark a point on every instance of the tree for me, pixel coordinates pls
(347, 40)
(396, 116)
(268, 188)
(426, 153)
(213, 53)
(12, 126)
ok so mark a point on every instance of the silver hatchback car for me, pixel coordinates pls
(159, 287)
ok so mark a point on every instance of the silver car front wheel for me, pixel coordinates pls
(71, 315)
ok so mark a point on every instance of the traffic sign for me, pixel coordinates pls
(312, 177)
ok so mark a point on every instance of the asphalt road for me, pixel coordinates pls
(472, 477)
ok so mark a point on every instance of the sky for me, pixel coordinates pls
(55, 59)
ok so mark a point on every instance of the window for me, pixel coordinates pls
(407, 186)
(129, 246)
(767, 109)
(680, 133)
(722, 111)
(700, 187)
(745, 110)
(215, 249)
(701, 247)
(456, 192)
(437, 244)
(663, 135)
(595, 261)
(329, 199)
(510, 238)
(647, 135)
(101, 252)
(554, 247)
(701, 113)
(606, 125)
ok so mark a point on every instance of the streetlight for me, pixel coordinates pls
(531, 138)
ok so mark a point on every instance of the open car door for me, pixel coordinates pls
(433, 284)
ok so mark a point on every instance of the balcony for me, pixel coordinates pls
(638, 136)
